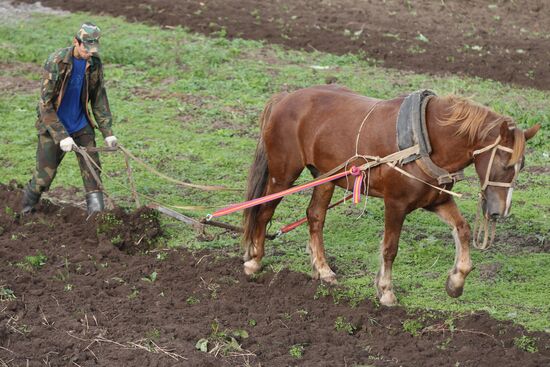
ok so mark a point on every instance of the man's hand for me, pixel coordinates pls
(66, 144)
(111, 141)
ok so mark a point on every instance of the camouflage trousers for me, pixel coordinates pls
(49, 156)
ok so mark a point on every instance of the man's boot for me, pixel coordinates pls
(94, 202)
(30, 199)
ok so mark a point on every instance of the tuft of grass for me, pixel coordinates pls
(297, 351)
(151, 278)
(108, 222)
(33, 262)
(161, 256)
(192, 300)
(413, 326)
(134, 294)
(221, 342)
(6, 294)
(342, 325)
(526, 343)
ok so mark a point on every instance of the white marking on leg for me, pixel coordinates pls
(385, 278)
(458, 246)
(387, 297)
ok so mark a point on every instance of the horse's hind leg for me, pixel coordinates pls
(316, 213)
(394, 215)
(448, 211)
(253, 256)
(255, 253)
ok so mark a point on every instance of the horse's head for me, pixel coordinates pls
(498, 165)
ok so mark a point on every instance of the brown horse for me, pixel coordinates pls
(321, 127)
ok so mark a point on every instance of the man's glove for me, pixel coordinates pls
(66, 144)
(111, 141)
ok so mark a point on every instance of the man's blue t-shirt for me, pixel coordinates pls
(71, 112)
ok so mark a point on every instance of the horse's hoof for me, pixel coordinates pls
(251, 267)
(453, 290)
(327, 276)
(330, 279)
(315, 274)
(388, 299)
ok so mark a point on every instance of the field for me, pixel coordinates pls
(134, 287)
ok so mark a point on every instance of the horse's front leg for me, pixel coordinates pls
(448, 211)
(316, 214)
(394, 215)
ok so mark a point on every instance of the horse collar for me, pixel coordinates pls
(411, 130)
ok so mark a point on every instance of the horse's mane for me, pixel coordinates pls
(477, 121)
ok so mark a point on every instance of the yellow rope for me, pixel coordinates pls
(87, 157)
(168, 178)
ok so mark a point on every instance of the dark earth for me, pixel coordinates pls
(504, 40)
(103, 292)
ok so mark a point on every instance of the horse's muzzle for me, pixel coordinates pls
(491, 210)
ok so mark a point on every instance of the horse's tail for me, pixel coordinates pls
(257, 180)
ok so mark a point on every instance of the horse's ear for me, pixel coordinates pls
(532, 131)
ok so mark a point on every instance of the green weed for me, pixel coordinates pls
(161, 256)
(151, 278)
(33, 262)
(154, 334)
(117, 240)
(134, 294)
(322, 291)
(108, 222)
(6, 294)
(413, 326)
(526, 343)
(220, 341)
(342, 325)
(191, 300)
(297, 351)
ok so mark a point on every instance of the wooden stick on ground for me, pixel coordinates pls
(174, 214)
(199, 225)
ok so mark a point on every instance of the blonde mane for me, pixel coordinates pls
(477, 121)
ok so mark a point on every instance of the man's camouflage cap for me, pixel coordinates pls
(89, 35)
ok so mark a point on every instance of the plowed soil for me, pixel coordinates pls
(504, 40)
(77, 291)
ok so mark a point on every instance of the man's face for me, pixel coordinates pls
(80, 50)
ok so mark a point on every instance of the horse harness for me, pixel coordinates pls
(411, 130)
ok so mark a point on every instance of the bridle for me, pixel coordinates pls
(494, 147)
(478, 230)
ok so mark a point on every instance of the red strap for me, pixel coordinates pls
(291, 226)
(265, 199)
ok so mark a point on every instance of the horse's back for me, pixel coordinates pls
(321, 123)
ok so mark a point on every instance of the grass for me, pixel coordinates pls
(224, 342)
(33, 262)
(6, 294)
(188, 105)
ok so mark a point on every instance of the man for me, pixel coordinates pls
(73, 78)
